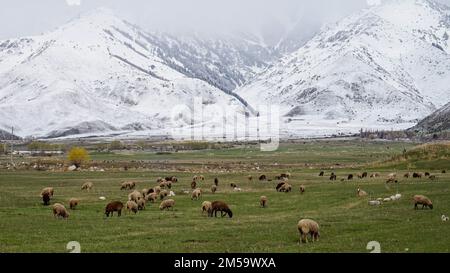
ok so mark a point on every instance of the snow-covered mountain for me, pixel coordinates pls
(99, 73)
(385, 67)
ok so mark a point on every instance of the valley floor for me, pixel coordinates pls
(347, 222)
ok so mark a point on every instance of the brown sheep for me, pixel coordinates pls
(333, 176)
(286, 188)
(360, 193)
(163, 194)
(250, 178)
(216, 181)
(134, 196)
(233, 185)
(46, 198)
(422, 200)
(302, 189)
(364, 175)
(222, 207)
(193, 184)
(48, 190)
(427, 174)
(308, 226)
(213, 189)
(432, 177)
(279, 185)
(262, 177)
(263, 201)
(73, 203)
(112, 207)
(157, 190)
(152, 197)
(132, 206)
(417, 175)
(87, 186)
(321, 173)
(166, 204)
(60, 211)
(196, 194)
(141, 204)
(391, 180)
(350, 177)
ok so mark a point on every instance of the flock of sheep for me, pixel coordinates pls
(137, 199)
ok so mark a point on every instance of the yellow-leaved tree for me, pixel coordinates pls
(78, 156)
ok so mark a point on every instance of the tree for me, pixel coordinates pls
(78, 156)
(116, 145)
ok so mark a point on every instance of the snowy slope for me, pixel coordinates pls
(97, 73)
(385, 67)
(436, 122)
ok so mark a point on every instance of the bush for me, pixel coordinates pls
(116, 145)
(78, 156)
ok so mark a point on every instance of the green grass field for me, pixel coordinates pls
(347, 222)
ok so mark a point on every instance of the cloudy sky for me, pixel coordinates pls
(31, 17)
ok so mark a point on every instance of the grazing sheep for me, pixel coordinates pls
(406, 175)
(361, 193)
(387, 199)
(233, 185)
(417, 175)
(112, 207)
(157, 190)
(391, 180)
(144, 192)
(46, 198)
(193, 185)
(73, 203)
(364, 175)
(141, 204)
(333, 176)
(171, 193)
(444, 171)
(163, 194)
(302, 189)
(151, 197)
(427, 174)
(350, 177)
(422, 200)
(87, 186)
(374, 175)
(250, 178)
(237, 189)
(213, 189)
(432, 177)
(60, 211)
(132, 206)
(206, 206)
(263, 201)
(285, 175)
(321, 173)
(134, 196)
(374, 203)
(48, 190)
(196, 194)
(286, 188)
(166, 204)
(222, 207)
(444, 218)
(216, 181)
(262, 177)
(195, 178)
(308, 226)
(159, 180)
(173, 179)
(279, 185)
(127, 185)
(202, 177)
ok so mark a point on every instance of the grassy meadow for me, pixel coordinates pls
(347, 222)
